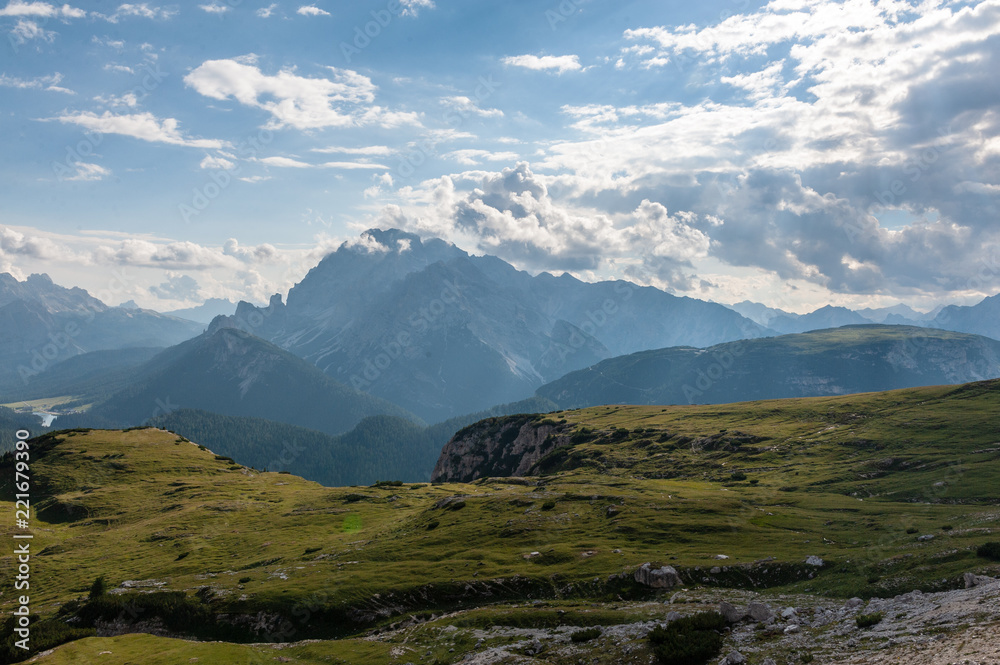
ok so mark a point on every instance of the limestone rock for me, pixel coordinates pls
(760, 612)
(732, 613)
(734, 658)
(657, 578)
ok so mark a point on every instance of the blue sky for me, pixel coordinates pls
(795, 152)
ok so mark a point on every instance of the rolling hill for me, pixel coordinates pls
(839, 361)
(788, 504)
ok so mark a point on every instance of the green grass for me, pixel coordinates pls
(330, 562)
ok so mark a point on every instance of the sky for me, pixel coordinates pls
(797, 153)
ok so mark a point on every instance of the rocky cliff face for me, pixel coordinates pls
(498, 447)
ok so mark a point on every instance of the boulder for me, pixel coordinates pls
(788, 613)
(657, 578)
(768, 661)
(814, 561)
(973, 580)
(925, 538)
(734, 658)
(791, 628)
(732, 613)
(672, 616)
(760, 612)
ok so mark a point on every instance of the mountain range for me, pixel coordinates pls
(839, 361)
(42, 323)
(427, 326)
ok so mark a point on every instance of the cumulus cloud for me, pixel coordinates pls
(25, 31)
(221, 161)
(140, 10)
(345, 99)
(311, 10)
(558, 63)
(144, 126)
(215, 8)
(177, 287)
(413, 7)
(467, 107)
(267, 12)
(254, 254)
(41, 10)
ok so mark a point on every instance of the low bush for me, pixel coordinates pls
(692, 640)
(585, 635)
(869, 620)
(990, 550)
(548, 505)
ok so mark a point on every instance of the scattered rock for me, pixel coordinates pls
(721, 556)
(532, 555)
(760, 612)
(788, 613)
(791, 628)
(672, 616)
(768, 661)
(814, 561)
(732, 613)
(715, 570)
(925, 538)
(734, 658)
(973, 580)
(854, 603)
(657, 578)
(612, 511)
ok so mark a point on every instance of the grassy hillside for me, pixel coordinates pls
(855, 480)
(837, 361)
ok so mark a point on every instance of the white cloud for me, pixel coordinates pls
(311, 10)
(343, 100)
(86, 172)
(559, 63)
(287, 162)
(41, 10)
(25, 31)
(140, 10)
(215, 8)
(216, 162)
(118, 69)
(128, 100)
(267, 12)
(144, 126)
(466, 107)
(369, 150)
(50, 83)
(473, 156)
(413, 7)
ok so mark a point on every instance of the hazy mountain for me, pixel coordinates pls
(759, 313)
(898, 312)
(822, 318)
(827, 362)
(205, 312)
(229, 372)
(425, 325)
(89, 374)
(980, 319)
(42, 323)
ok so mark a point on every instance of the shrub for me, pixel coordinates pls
(692, 640)
(947, 527)
(388, 483)
(807, 657)
(788, 488)
(244, 580)
(432, 525)
(738, 475)
(868, 620)
(754, 481)
(912, 530)
(548, 505)
(989, 551)
(98, 588)
(585, 635)
(45, 634)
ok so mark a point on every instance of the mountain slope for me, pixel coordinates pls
(440, 332)
(42, 324)
(229, 372)
(827, 362)
(982, 318)
(858, 481)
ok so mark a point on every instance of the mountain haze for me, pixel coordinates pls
(839, 361)
(425, 325)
